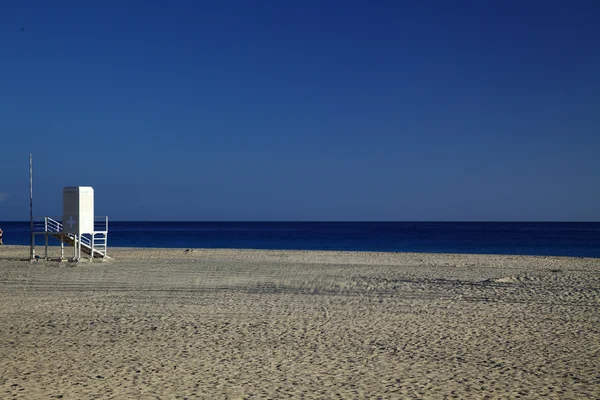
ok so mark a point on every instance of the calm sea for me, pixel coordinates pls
(532, 238)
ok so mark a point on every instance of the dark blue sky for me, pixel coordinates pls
(299, 110)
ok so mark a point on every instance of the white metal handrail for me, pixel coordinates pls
(54, 224)
(96, 240)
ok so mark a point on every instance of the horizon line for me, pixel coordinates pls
(345, 221)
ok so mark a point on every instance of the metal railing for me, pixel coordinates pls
(96, 240)
(46, 224)
(54, 224)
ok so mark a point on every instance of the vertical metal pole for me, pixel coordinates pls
(62, 246)
(106, 238)
(31, 239)
(46, 237)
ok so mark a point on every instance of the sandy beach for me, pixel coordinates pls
(244, 324)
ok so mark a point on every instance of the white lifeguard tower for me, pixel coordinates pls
(77, 227)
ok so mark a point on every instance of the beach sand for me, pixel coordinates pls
(243, 324)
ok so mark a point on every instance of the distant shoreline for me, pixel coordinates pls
(368, 257)
(334, 222)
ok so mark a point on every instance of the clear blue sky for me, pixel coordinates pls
(303, 110)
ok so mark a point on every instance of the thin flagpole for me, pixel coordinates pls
(31, 251)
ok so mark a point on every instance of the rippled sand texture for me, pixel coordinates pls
(237, 324)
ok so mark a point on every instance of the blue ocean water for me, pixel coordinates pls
(577, 239)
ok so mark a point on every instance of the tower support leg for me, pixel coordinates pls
(92, 248)
(62, 247)
(32, 247)
(78, 247)
(74, 247)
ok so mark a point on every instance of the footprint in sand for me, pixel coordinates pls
(507, 279)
